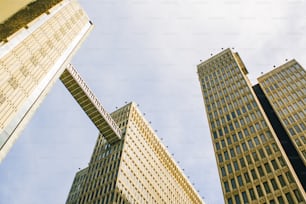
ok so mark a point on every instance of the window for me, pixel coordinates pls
(259, 191)
(245, 197)
(252, 194)
(226, 155)
(274, 164)
(268, 150)
(230, 201)
(280, 200)
(298, 195)
(248, 158)
(237, 199)
(223, 171)
(274, 184)
(229, 168)
(220, 157)
(255, 156)
(226, 186)
(289, 198)
(233, 183)
(261, 153)
(250, 143)
(240, 181)
(281, 180)
(267, 189)
(281, 161)
(238, 149)
(289, 177)
(242, 163)
(244, 147)
(229, 141)
(246, 177)
(254, 175)
(232, 152)
(236, 166)
(261, 172)
(267, 166)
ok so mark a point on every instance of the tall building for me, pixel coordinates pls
(253, 165)
(136, 169)
(36, 44)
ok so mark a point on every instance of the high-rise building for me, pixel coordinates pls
(136, 169)
(253, 165)
(36, 44)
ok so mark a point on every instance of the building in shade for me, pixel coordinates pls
(136, 169)
(36, 44)
(254, 166)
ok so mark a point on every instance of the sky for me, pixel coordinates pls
(147, 51)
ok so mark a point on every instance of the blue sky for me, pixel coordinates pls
(147, 51)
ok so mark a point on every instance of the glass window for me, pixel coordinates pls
(246, 177)
(242, 163)
(259, 191)
(274, 184)
(267, 166)
(289, 198)
(229, 141)
(226, 186)
(245, 197)
(240, 181)
(254, 175)
(223, 171)
(226, 155)
(229, 168)
(281, 180)
(230, 201)
(237, 199)
(298, 195)
(260, 170)
(280, 200)
(236, 166)
(252, 194)
(274, 164)
(233, 183)
(267, 188)
(244, 147)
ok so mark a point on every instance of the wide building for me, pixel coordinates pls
(137, 169)
(36, 44)
(253, 165)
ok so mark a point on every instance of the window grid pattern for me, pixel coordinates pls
(249, 160)
(26, 65)
(142, 171)
(285, 88)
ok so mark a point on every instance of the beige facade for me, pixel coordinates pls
(31, 60)
(137, 169)
(253, 166)
(285, 88)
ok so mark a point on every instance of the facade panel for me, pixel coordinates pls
(137, 169)
(30, 62)
(253, 166)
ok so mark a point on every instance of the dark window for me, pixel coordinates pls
(237, 199)
(245, 197)
(281, 180)
(240, 181)
(267, 166)
(259, 191)
(267, 189)
(246, 176)
(280, 200)
(289, 198)
(274, 184)
(226, 186)
(252, 194)
(254, 175)
(233, 183)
